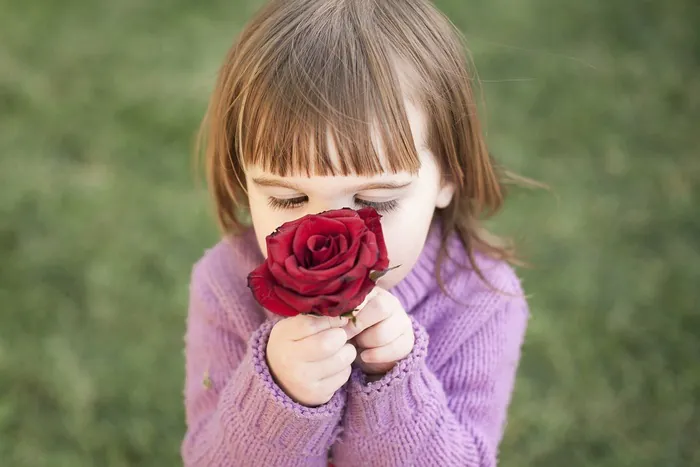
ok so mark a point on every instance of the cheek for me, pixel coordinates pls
(265, 221)
(261, 244)
(404, 239)
(262, 230)
(406, 229)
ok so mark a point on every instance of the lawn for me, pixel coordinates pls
(101, 220)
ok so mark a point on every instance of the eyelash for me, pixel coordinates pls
(291, 203)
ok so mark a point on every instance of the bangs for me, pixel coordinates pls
(330, 91)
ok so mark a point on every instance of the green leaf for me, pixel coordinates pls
(374, 276)
(350, 316)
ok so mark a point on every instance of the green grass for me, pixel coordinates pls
(100, 222)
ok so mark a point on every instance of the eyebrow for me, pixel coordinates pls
(273, 182)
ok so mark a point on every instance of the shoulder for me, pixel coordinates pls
(476, 291)
(476, 281)
(218, 284)
(471, 300)
(227, 263)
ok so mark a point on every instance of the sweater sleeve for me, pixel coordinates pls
(236, 414)
(451, 416)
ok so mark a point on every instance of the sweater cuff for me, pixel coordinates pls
(375, 407)
(269, 415)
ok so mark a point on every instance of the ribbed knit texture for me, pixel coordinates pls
(443, 405)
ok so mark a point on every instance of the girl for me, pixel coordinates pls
(324, 104)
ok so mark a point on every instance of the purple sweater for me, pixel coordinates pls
(443, 405)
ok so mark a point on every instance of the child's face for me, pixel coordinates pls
(406, 202)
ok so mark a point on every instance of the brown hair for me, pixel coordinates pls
(304, 71)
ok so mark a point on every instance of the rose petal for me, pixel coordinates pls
(355, 227)
(333, 247)
(345, 263)
(353, 301)
(314, 225)
(358, 274)
(350, 299)
(372, 220)
(368, 253)
(340, 213)
(318, 242)
(304, 286)
(352, 221)
(324, 304)
(320, 248)
(354, 292)
(307, 261)
(369, 215)
(281, 276)
(341, 243)
(305, 304)
(320, 257)
(262, 285)
(329, 287)
(279, 244)
(324, 288)
(361, 293)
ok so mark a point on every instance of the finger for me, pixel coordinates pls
(335, 381)
(302, 326)
(392, 352)
(353, 342)
(383, 332)
(321, 346)
(372, 293)
(335, 363)
(378, 309)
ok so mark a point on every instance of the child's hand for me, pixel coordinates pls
(310, 358)
(383, 333)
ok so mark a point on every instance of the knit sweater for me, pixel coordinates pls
(445, 404)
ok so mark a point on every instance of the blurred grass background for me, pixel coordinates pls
(100, 222)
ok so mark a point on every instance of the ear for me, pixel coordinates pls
(445, 195)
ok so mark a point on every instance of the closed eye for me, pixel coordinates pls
(384, 206)
(293, 203)
(286, 203)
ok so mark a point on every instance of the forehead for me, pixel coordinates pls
(327, 184)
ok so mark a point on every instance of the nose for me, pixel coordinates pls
(329, 204)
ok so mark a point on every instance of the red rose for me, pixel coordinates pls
(321, 263)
